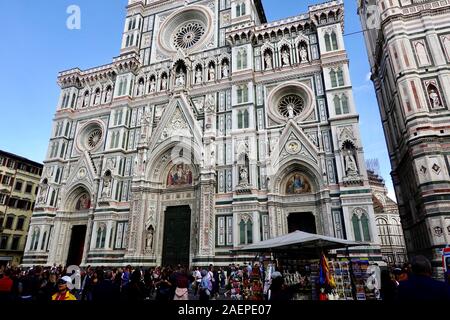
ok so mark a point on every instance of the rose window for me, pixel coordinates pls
(291, 106)
(94, 138)
(188, 35)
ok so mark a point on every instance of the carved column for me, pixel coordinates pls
(206, 234)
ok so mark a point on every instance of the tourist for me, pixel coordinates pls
(182, 285)
(205, 286)
(134, 290)
(63, 293)
(420, 285)
(6, 285)
(163, 286)
(389, 286)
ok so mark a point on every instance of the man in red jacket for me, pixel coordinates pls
(6, 285)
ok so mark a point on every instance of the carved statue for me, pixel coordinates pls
(97, 98)
(146, 119)
(243, 174)
(434, 96)
(108, 95)
(350, 164)
(290, 109)
(43, 193)
(149, 244)
(180, 80)
(164, 83)
(198, 76)
(86, 100)
(303, 54)
(268, 60)
(286, 57)
(153, 85)
(212, 73)
(106, 188)
(140, 90)
(225, 70)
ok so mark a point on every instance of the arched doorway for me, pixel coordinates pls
(303, 221)
(81, 202)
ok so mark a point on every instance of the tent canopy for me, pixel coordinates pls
(299, 240)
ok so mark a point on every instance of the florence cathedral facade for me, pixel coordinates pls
(212, 129)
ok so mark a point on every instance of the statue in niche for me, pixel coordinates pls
(198, 76)
(435, 99)
(164, 83)
(97, 97)
(243, 175)
(291, 113)
(212, 73)
(152, 85)
(180, 79)
(303, 54)
(86, 100)
(43, 193)
(225, 70)
(106, 187)
(140, 90)
(351, 168)
(286, 57)
(149, 242)
(268, 61)
(108, 94)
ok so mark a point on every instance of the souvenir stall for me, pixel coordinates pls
(309, 271)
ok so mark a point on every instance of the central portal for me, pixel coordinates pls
(177, 231)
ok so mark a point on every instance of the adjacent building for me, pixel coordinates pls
(19, 183)
(408, 43)
(212, 129)
(387, 217)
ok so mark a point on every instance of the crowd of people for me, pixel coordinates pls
(414, 282)
(235, 282)
(125, 284)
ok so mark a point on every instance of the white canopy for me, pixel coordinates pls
(300, 240)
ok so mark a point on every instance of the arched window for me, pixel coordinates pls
(356, 229)
(340, 77)
(337, 105)
(241, 59)
(361, 226)
(63, 150)
(132, 40)
(333, 79)
(67, 129)
(241, 9)
(44, 239)
(101, 237)
(52, 198)
(242, 94)
(58, 172)
(35, 239)
(240, 119)
(365, 227)
(246, 232)
(130, 24)
(334, 41)
(327, 42)
(344, 103)
(246, 119)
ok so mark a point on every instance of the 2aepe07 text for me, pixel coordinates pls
(246, 309)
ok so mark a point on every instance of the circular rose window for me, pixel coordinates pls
(90, 136)
(291, 106)
(188, 35)
(186, 29)
(94, 137)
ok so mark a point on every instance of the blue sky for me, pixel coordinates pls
(37, 45)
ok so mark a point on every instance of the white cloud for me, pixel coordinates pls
(368, 75)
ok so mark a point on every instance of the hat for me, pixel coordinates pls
(65, 280)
